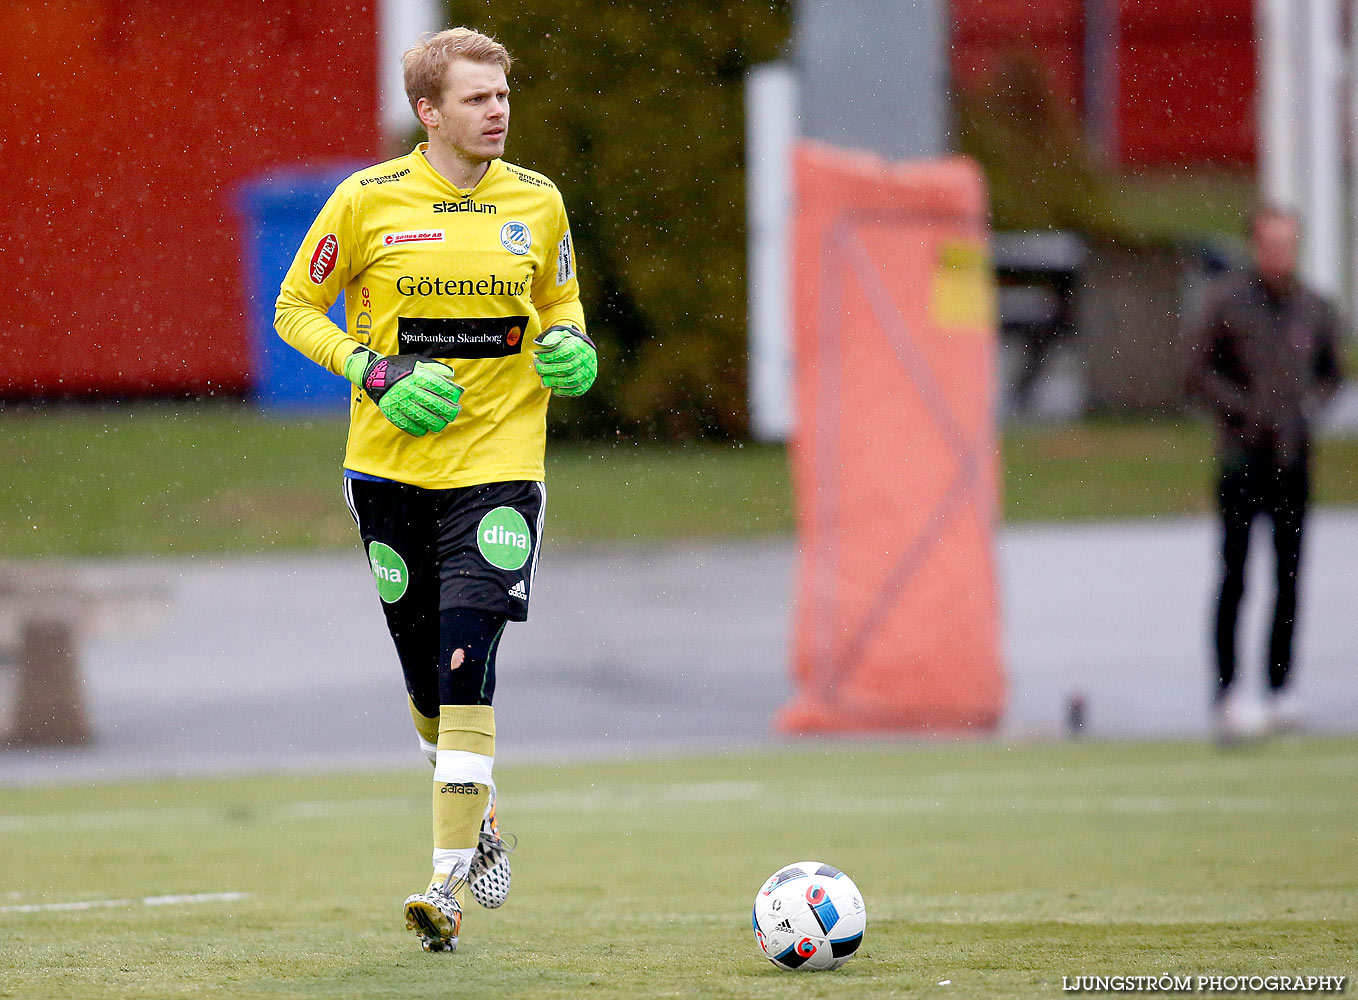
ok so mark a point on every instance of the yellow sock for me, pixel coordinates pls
(466, 754)
(426, 725)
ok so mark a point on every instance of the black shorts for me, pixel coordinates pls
(474, 547)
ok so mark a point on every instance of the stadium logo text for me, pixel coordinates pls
(466, 205)
(414, 236)
(323, 258)
(409, 285)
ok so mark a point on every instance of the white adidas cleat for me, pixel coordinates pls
(436, 915)
(489, 873)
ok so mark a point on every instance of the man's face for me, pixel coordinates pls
(473, 114)
(1275, 247)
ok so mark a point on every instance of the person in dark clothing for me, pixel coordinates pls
(1265, 361)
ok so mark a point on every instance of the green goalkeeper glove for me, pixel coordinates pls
(567, 362)
(416, 395)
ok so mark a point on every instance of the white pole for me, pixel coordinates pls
(770, 131)
(399, 24)
(1352, 218)
(1277, 108)
(1322, 202)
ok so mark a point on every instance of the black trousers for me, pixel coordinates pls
(451, 568)
(1254, 485)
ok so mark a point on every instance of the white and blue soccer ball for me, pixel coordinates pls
(809, 916)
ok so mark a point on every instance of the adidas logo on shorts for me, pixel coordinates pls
(518, 591)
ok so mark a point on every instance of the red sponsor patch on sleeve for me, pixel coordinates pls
(323, 258)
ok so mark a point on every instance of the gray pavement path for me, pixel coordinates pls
(268, 663)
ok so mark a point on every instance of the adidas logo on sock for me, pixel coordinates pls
(518, 591)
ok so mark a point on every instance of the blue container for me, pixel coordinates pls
(278, 209)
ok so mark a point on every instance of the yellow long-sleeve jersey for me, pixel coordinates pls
(467, 277)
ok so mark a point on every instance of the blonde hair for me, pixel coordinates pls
(425, 64)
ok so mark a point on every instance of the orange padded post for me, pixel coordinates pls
(894, 456)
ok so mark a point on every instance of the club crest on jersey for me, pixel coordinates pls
(413, 236)
(516, 238)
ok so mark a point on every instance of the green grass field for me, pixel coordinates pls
(173, 479)
(167, 479)
(998, 868)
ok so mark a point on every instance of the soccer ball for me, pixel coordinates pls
(809, 916)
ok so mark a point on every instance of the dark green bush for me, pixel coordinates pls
(636, 110)
(1040, 169)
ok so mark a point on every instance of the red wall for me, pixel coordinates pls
(987, 32)
(1185, 70)
(126, 123)
(1186, 82)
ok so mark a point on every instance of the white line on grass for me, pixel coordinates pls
(621, 796)
(851, 802)
(632, 797)
(639, 796)
(207, 814)
(1092, 804)
(980, 776)
(103, 904)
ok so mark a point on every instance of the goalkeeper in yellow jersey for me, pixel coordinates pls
(463, 317)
